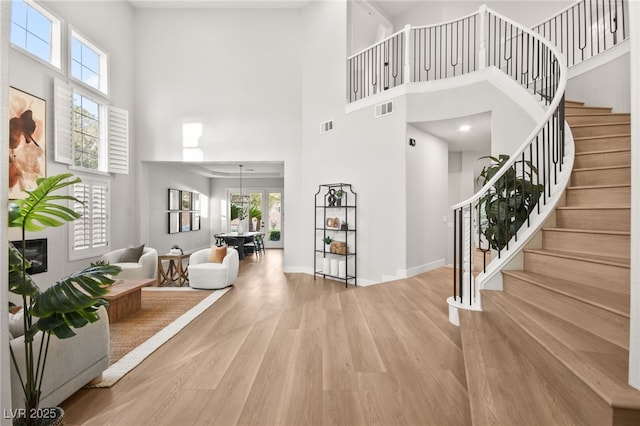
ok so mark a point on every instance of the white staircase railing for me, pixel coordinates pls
(523, 191)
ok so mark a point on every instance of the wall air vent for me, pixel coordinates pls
(326, 126)
(384, 109)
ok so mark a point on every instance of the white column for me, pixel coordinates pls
(468, 287)
(407, 53)
(482, 51)
(634, 341)
(5, 372)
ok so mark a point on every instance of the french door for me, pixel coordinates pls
(262, 212)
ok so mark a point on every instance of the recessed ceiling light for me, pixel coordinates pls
(464, 128)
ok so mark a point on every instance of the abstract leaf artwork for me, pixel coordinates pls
(27, 141)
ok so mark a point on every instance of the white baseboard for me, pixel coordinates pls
(421, 269)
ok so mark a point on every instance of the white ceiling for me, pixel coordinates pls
(231, 170)
(477, 139)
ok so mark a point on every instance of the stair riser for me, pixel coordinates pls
(598, 196)
(610, 245)
(568, 103)
(593, 410)
(605, 324)
(617, 176)
(612, 277)
(604, 159)
(601, 130)
(602, 144)
(608, 219)
(568, 110)
(596, 119)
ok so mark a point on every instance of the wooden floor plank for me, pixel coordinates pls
(285, 349)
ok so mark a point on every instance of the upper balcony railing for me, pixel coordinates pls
(428, 53)
(587, 28)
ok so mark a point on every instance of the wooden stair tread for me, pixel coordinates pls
(602, 114)
(603, 298)
(604, 260)
(596, 207)
(586, 169)
(600, 186)
(591, 315)
(619, 135)
(613, 123)
(607, 151)
(497, 374)
(600, 365)
(587, 231)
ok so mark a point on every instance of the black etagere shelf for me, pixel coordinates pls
(336, 218)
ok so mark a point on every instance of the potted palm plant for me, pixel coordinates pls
(508, 204)
(70, 303)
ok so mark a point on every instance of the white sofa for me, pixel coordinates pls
(71, 363)
(146, 267)
(209, 275)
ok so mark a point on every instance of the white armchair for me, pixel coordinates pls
(146, 267)
(209, 275)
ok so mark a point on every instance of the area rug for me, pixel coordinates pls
(165, 311)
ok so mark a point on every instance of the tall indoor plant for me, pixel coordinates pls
(509, 202)
(70, 303)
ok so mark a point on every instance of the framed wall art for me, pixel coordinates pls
(185, 221)
(174, 199)
(186, 200)
(36, 253)
(27, 141)
(174, 222)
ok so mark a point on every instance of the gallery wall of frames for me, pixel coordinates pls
(184, 211)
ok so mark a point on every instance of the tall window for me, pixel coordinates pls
(86, 133)
(36, 31)
(88, 63)
(89, 234)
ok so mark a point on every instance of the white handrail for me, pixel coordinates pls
(534, 133)
(384, 40)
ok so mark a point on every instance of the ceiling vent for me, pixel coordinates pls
(384, 109)
(326, 126)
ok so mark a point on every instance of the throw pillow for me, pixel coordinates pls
(16, 325)
(132, 254)
(217, 254)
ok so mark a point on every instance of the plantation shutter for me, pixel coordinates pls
(63, 122)
(82, 226)
(90, 231)
(99, 216)
(118, 140)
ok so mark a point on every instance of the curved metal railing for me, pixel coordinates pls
(587, 28)
(521, 185)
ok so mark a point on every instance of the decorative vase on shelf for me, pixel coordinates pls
(241, 227)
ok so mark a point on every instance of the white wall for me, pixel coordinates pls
(612, 81)
(5, 376)
(95, 20)
(485, 91)
(238, 71)
(161, 178)
(366, 152)
(427, 201)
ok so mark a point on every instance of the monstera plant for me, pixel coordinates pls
(70, 303)
(509, 202)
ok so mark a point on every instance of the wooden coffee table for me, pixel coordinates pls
(125, 298)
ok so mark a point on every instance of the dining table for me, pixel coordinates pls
(238, 240)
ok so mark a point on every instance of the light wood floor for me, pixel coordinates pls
(287, 350)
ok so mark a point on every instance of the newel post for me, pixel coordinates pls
(482, 51)
(407, 53)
